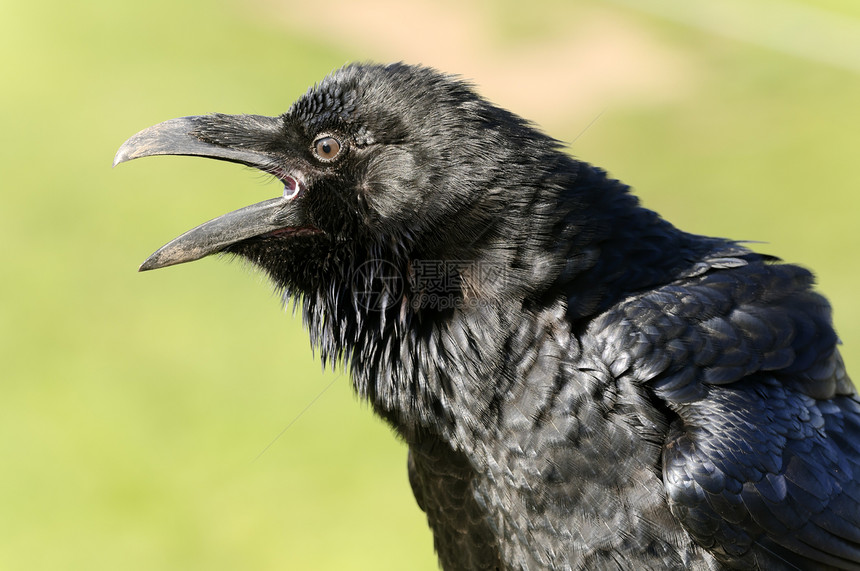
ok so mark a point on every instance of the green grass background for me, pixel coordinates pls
(134, 407)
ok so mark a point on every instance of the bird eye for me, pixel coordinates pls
(327, 148)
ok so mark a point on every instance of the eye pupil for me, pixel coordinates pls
(327, 148)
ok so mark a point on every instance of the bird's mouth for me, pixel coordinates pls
(243, 139)
(294, 189)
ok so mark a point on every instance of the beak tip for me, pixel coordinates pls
(122, 155)
(152, 263)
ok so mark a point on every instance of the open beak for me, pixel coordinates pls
(244, 139)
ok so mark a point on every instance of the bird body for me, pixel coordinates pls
(581, 385)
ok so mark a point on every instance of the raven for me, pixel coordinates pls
(580, 384)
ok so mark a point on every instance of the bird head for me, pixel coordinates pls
(410, 205)
(377, 162)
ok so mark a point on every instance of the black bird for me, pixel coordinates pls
(581, 385)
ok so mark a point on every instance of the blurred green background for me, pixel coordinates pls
(134, 408)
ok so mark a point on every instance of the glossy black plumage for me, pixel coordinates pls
(581, 385)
